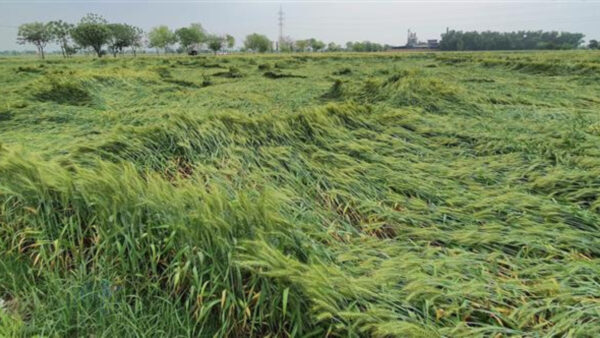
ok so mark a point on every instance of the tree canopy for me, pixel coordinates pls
(161, 37)
(230, 41)
(333, 47)
(316, 45)
(364, 46)
(36, 33)
(286, 44)
(215, 43)
(488, 40)
(92, 31)
(190, 36)
(61, 34)
(301, 45)
(257, 43)
(122, 36)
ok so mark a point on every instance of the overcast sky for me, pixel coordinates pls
(338, 21)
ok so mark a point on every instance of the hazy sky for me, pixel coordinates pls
(338, 21)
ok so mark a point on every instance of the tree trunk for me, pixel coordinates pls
(63, 47)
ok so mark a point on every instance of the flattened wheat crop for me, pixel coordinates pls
(386, 195)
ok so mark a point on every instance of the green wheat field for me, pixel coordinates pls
(339, 195)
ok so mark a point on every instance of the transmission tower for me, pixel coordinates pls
(280, 28)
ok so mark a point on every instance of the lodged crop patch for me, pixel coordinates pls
(388, 195)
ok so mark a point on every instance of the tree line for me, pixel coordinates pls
(95, 33)
(521, 40)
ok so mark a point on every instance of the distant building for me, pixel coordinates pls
(412, 42)
(412, 39)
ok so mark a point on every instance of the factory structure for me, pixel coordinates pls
(412, 42)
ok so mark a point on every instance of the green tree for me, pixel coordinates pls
(258, 43)
(122, 36)
(333, 47)
(215, 43)
(138, 40)
(36, 33)
(364, 46)
(316, 45)
(92, 31)
(230, 40)
(161, 37)
(61, 34)
(520, 40)
(191, 36)
(593, 44)
(302, 45)
(286, 44)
